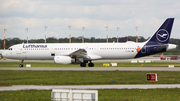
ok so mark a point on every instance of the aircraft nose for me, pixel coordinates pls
(4, 54)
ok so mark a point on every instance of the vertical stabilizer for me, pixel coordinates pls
(162, 35)
(159, 41)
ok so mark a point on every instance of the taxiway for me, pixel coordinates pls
(92, 68)
(35, 87)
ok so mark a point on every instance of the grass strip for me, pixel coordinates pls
(8, 78)
(51, 64)
(103, 95)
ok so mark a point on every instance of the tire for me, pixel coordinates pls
(83, 64)
(20, 65)
(91, 64)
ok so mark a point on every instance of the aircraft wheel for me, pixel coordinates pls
(83, 64)
(91, 64)
(20, 65)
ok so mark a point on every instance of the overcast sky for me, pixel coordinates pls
(94, 15)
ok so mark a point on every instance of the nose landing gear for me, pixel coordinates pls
(21, 65)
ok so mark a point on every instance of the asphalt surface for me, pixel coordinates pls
(92, 68)
(34, 87)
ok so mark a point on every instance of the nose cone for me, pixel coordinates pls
(3, 54)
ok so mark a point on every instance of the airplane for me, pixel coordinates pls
(82, 53)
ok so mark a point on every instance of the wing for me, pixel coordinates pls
(81, 53)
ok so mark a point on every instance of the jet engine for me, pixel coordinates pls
(63, 60)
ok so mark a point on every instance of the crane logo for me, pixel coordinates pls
(162, 35)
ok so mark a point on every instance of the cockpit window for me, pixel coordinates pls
(10, 49)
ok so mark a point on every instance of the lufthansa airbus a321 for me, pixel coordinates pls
(82, 53)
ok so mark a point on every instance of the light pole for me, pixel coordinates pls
(45, 32)
(136, 34)
(83, 34)
(117, 33)
(69, 34)
(4, 38)
(27, 34)
(107, 32)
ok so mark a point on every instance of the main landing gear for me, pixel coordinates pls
(21, 65)
(91, 64)
(83, 64)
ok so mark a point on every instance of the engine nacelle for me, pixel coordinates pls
(63, 60)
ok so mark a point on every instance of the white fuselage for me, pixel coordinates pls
(47, 51)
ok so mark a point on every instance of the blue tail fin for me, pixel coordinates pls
(159, 41)
(162, 35)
